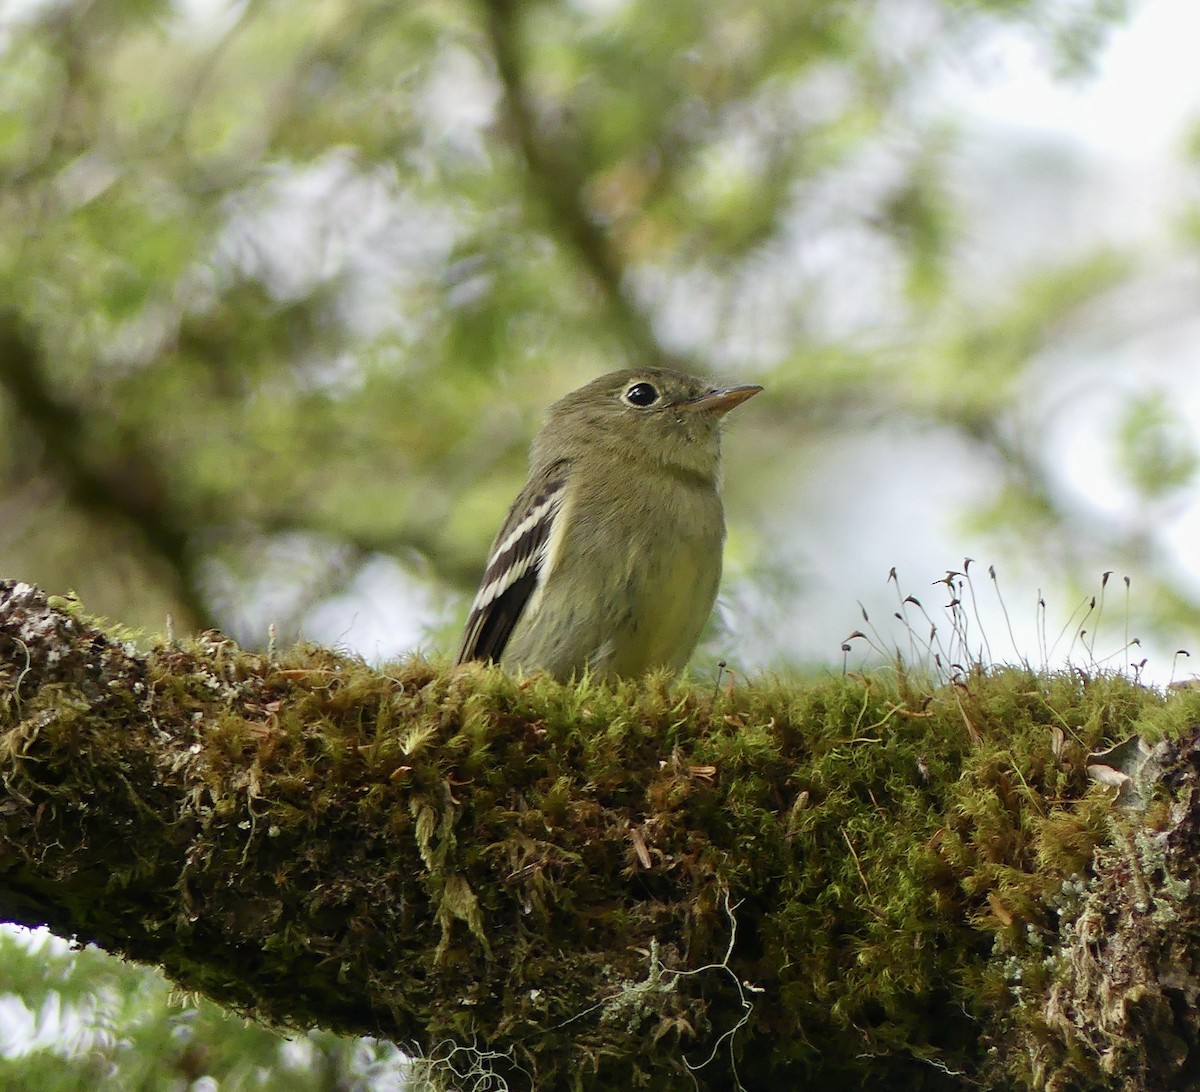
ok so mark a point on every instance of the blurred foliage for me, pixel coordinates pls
(1159, 453)
(286, 286)
(80, 1020)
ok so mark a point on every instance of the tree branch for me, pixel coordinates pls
(125, 487)
(869, 881)
(556, 182)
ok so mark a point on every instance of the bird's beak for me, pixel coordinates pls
(721, 400)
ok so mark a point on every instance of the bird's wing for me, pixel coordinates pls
(514, 566)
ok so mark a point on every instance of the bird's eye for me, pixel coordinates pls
(641, 394)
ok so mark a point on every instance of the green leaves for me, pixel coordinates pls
(1156, 446)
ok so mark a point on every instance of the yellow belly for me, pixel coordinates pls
(629, 599)
(675, 596)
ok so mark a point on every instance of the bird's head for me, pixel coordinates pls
(642, 414)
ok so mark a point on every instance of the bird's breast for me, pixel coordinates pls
(668, 580)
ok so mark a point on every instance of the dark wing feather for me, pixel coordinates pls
(490, 628)
(514, 567)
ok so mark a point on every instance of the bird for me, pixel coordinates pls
(609, 559)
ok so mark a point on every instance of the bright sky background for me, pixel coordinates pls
(1128, 124)
(1146, 88)
(1120, 132)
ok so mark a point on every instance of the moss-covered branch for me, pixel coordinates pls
(865, 880)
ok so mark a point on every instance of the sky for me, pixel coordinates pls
(1113, 142)
(1129, 113)
(1128, 125)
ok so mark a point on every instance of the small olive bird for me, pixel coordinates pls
(610, 557)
